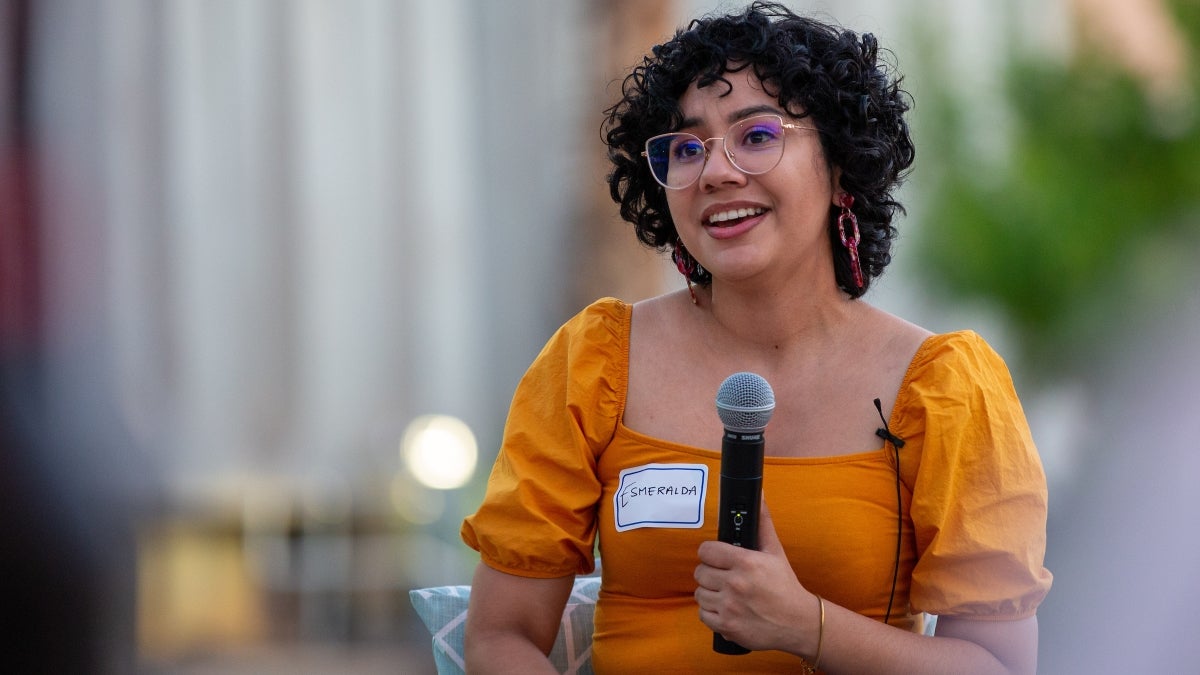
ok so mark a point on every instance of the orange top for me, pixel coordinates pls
(973, 498)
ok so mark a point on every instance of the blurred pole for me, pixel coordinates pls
(19, 252)
(66, 554)
(611, 260)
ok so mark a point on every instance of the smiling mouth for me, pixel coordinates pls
(734, 216)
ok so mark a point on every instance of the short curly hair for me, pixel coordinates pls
(817, 70)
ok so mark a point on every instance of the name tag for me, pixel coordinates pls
(661, 495)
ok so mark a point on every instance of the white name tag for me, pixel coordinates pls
(661, 495)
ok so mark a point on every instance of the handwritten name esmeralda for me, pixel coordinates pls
(661, 495)
(636, 490)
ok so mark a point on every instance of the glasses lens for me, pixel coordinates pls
(756, 143)
(675, 159)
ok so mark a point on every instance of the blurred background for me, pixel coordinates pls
(271, 269)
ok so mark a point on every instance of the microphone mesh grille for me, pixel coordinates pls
(745, 403)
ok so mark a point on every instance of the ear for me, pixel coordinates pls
(835, 184)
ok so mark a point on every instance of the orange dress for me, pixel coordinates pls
(973, 499)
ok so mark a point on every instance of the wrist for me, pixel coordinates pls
(812, 658)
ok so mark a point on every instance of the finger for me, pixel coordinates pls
(768, 538)
(706, 577)
(718, 554)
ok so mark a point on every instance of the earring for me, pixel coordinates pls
(687, 266)
(851, 242)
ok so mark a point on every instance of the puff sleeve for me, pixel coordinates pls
(979, 496)
(538, 516)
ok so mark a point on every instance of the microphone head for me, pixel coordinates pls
(745, 403)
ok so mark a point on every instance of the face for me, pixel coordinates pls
(766, 227)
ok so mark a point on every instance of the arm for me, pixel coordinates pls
(856, 644)
(754, 599)
(512, 621)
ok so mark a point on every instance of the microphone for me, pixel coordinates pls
(744, 404)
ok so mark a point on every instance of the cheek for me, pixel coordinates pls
(818, 180)
(820, 170)
(810, 164)
(677, 204)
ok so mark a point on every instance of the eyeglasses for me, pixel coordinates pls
(753, 145)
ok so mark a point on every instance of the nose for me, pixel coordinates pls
(718, 169)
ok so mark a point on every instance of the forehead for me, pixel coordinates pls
(718, 101)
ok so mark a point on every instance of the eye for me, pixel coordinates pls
(760, 134)
(687, 149)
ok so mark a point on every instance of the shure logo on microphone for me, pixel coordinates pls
(743, 437)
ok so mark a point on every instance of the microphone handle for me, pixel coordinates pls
(741, 494)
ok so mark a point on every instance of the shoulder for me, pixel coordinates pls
(663, 319)
(899, 338)
(591, 349)
(662, 306)
(957, 355)
(582, 367)
(603, 325)
(604, 311)
(958, 376)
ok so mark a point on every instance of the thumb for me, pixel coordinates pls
(768, 540)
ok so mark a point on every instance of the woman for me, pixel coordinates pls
(762, 149)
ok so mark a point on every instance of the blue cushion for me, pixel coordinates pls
(444, 611)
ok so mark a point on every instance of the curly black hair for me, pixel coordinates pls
(816, 70)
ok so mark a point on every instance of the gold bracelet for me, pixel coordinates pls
(810, 668)
(820, 634)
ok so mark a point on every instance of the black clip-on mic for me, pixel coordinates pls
(884, 432)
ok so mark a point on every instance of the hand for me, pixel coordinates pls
(752, 597)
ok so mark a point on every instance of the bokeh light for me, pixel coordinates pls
(440, 451)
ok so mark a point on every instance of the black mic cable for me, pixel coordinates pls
(886, 434)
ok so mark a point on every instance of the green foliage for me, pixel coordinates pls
(1086, 221)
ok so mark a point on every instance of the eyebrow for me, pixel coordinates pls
(740, 114)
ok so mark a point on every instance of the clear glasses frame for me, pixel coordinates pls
(683, 156)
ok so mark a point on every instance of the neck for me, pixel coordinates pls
(777, 321)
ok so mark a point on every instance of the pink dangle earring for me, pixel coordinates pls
(686, 264)
(850, 242)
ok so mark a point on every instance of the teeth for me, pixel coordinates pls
(734, 214)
